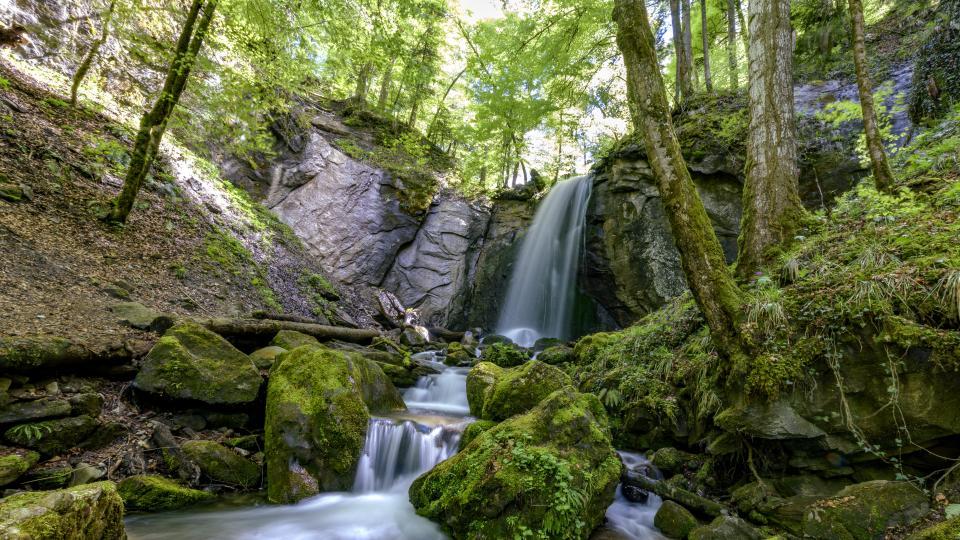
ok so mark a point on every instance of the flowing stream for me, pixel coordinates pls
(543, 285)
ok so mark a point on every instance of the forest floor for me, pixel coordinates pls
(61, 268)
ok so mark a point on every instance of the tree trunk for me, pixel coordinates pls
(92, 53)
(732, 44)
(363, 84)
(684, 87)
(705, 35)
(882, 174)
(385, 87)
(688, 499)
(701, 256)
(771, 200)
(154, 123)
(686, 15)
(266, 329)
(443, 100)
(744, 29)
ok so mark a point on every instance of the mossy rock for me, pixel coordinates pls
(474, 430)
(318, 406)
(192, 363)
(290, 340)
(400, 376)
(946, 530)
(670, 460)
(480, 381)
(14, 462)
(864, 511)
(504, 355)
(52, 437)
(726, 528)
(552, 470)
(458, 357)
(556, 355)
(87, 511)
(265, 358)
(32, 353)
(221, 464)
(674, 521)
(150, 493)
(51, 475)
(517, 390)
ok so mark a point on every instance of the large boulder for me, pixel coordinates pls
(551, 470)
(726, 528)
(192, 363)
(221, 464)
(674, 520)
(319, 402)
(498, 394)
(291, 339)
(90, 511)
(432, 274)
(864, 511)
(149, 493)
(504, 355)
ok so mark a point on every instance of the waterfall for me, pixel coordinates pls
(395, 451)
(443, 392)
(540, 299)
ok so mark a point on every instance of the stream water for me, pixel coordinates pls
(543, 284)
(396, 451)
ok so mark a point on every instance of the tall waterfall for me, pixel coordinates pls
(542, 293)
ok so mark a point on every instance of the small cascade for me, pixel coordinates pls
(399, 450)
(444, 392)
(543, 285)
(633, 519)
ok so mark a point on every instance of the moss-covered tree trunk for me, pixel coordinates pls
(732, 44)
(684, 83)
(882, 174)
(154, 123)
(92, 53)
(385, 83)
(771, 199)
(701, 256)
(705, 38)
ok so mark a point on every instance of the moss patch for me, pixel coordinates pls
(148, 493)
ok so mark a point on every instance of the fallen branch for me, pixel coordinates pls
(266, 329)
(685, 498)
(444, 334)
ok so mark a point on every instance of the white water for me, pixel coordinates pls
(540, 299)
(443, 392)
(634, 520)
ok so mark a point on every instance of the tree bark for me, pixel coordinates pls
(363, 86)
(154, 123)
(684, 86)
(92, 53)
(744, 29)
(882, 174)
(385, 87)
(732, 45)
(701, 256)
(771, 199)
(705, 35)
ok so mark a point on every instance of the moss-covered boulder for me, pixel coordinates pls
(319, 402)
(946, 530)
(480, 381)
(290, 340)
(474, 430)
(14, 462)
(726, 528)
(557, 355)
(517, 390)
(221, 464)
(552, 471)
(457, 355)
(52, 437)
(504, 355)
(674, 521)
(90, 511)
(671, 460)
(864, 511)
(265, 358)
(50, 475)
(192, 363)
(150, 493)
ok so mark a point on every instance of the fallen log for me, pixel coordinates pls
(265, 315)
(685, 498)
(266, 329)
(24, 354)
(444, 334)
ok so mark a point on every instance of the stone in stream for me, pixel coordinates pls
(192, 363)
(90, 511)
(150, 493)
(551, 470)
(319, 402)
(221, 464)
(674, 520)
(14, 462)
(504, 355)
(495, 393)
